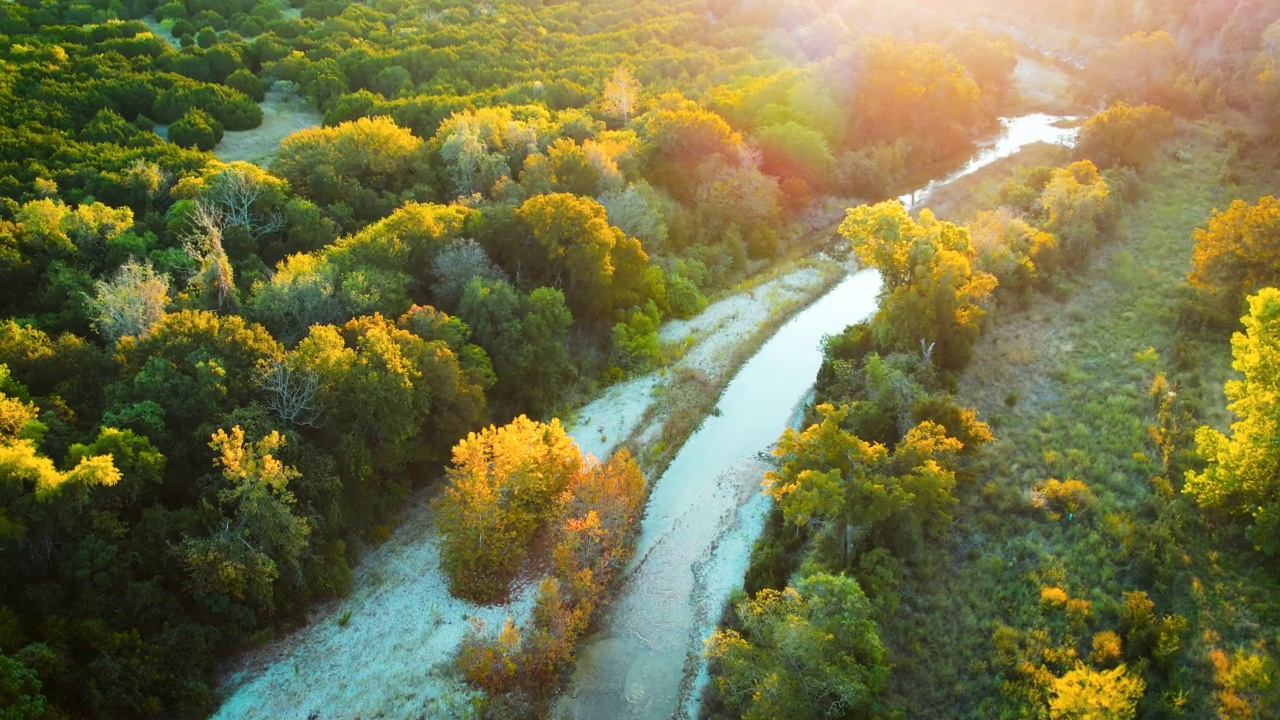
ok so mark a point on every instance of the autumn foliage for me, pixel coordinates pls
(1238, 250)
(504, 484)
(589, 527)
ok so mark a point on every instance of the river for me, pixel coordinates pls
(706, 510)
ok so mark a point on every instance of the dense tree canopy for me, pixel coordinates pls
(808, 652)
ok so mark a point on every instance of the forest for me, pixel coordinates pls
(1040, 482)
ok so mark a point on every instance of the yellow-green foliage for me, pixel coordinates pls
(1067, 496)
(1087, 694)
(1243, 475)
(1106, 649)
(1053, 597)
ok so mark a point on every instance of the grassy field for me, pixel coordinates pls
(282, 116)
(1065, 384)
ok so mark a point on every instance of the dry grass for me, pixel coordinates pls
(282, 116)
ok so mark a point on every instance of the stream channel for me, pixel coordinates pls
(705, 512)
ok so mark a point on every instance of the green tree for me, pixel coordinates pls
(1080, 210)
(848, 489)
(262, 537)
(196, 129)
(246, 82)
(1243, 469)
(808, 652)
(525, 335)
(20, 696)
(34, 493)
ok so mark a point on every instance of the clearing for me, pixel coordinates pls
(283, 114)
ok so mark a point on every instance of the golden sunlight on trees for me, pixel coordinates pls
(1243, 475)
(573, 246)
(502, 486)
(847, 489)
(1125, 136)
(261, 538)
(933, 299)
(1238, 250)
(1079, 209)
(916, 90)
(621, 93)
(360, 171)
(33, 491)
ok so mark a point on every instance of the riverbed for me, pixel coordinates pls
(707, 509)
(385, 650)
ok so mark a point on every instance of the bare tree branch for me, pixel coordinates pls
(291, 395)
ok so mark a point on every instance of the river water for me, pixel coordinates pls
(707, 510)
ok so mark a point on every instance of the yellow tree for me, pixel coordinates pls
(933, 299)
(1243, 475)
(1077, 201)
(1238, 250)
(503, 484)
(1087, 694)
(621, 92)
(1124, 135)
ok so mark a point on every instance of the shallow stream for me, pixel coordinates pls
(707, 509)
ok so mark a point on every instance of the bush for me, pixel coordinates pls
(196, 129)
(1053, 597)
(247, 83)
(1106, 649)
(1067, 496)
(1125, 136)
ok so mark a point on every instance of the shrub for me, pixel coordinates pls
(1052, 597)
(1067, 496)
(1107, 651)
(196, 129)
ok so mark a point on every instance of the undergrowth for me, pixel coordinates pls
(1020, 583)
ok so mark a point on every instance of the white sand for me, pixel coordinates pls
(393, 657)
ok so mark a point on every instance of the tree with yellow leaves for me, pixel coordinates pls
(933, 299)
(1087, 694)
(502, 486)
(1243, 475)
(1235, 251)
(621, 92)
(849, 489)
